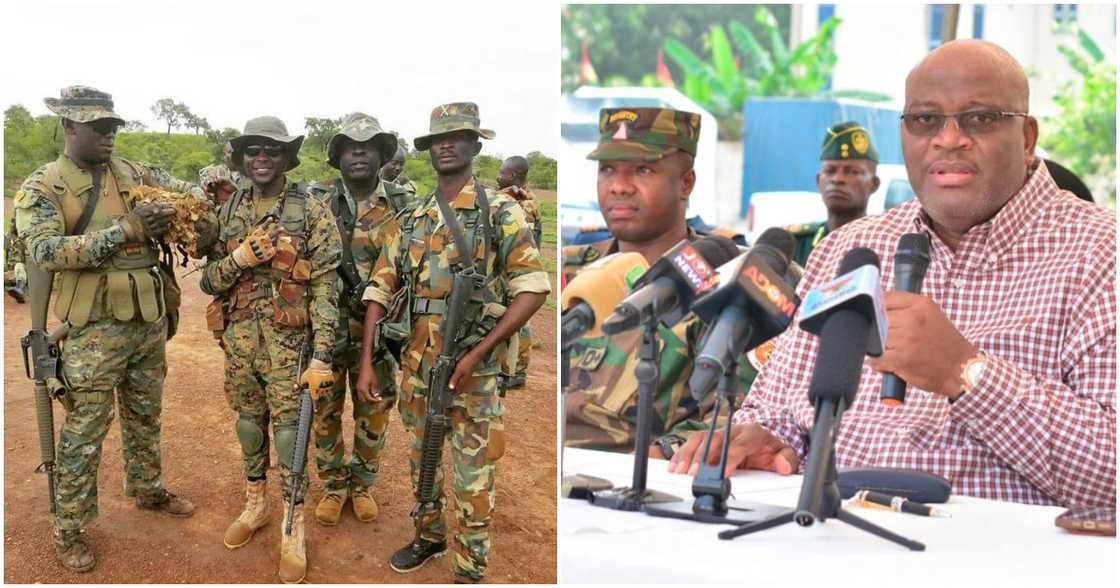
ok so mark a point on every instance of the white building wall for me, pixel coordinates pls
(877, 45)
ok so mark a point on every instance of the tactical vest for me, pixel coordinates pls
(129, 281)
(347, 219)
(285, 279)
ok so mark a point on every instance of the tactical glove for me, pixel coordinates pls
(147, 221)
(257, 248)
(318, 378)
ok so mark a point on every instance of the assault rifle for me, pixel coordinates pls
(303, 433)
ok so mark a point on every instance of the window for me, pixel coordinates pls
(936, 18)
(1065, 15)
(978, 21)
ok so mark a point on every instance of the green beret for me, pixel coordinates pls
(645, 134)
(848, 140)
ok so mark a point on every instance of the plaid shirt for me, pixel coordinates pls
(1034, 288)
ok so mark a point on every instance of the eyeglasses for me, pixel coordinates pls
(105, 126)
(972, 122)
(269, 150)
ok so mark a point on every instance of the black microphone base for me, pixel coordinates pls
(629, 499)
(581, 486)
(739, 512)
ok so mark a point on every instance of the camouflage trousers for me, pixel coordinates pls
(98, 358)
(477, 442)
(262, 363)
(371, 420)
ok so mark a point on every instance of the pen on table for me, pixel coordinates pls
(898, 504)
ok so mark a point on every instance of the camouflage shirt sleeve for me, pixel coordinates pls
(156, 177)
(384, 276)
(324, 250)
(520, 262)
(39, 221)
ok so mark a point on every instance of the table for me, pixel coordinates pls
(985, 543)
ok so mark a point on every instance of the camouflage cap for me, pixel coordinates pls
(361, 127)
(267, 127)
(448, 118)
(645, 134)
(83, 104)
(848, 140)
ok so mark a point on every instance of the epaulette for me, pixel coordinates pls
(801, 229)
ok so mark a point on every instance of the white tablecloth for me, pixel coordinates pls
(985, 543)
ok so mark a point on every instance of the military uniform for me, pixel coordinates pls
(844, 141)
(215, 174)
(266, 314)
(601, 400)
(423, 268)
(111, 293)
(368, 224)
(517, 365)
(15, 275)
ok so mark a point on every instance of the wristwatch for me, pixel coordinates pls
(323, 356)
(972, 370)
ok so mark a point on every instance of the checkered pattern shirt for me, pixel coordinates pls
(1034, 288)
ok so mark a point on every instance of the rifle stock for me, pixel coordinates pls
(303, 433)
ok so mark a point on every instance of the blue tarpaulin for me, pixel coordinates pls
(782, 140)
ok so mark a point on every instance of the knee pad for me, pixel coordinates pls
(285, 435)
(250, 433)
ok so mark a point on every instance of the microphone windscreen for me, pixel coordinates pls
(779, 239)
(857, 258)
(603, 284)
(716, 250)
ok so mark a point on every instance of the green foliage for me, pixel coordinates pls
(723, 84)
(624, 39)
(1082, 136)
(28, 143)
(542, 171)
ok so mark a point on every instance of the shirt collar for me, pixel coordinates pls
(1001, 232)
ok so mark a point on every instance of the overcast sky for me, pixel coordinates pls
(230, 61)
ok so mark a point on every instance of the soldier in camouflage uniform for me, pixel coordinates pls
(366, 211)
(273, 273)
(645, 177)
(110, 293)
(511, 180)
(846, 180)
(219, 181)
(15, 275)
(393, 170)
(422, 271)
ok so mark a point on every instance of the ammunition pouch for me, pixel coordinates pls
(216, 319)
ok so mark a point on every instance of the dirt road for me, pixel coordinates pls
(201, 460)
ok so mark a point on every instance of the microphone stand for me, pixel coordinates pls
(820, 493)
(711, 487)
(572, 485)
(648, 374)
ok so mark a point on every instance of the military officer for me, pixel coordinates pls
(366, 211)
(273, 275)
(492, 228)
(76, 219)
(846, 180)
(512, 175)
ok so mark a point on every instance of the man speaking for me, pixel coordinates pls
(1010, 349)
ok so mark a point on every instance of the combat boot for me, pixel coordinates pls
(253, 517)
(171, 505)
(72, 551)
(293, 558)
(365, 507)
(329, 510)
(417, 553)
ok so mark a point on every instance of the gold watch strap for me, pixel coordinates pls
(967, 383)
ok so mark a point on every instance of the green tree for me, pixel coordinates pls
(320, 131)
(168, 111)
(1082, 136)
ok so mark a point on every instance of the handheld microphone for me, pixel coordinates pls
(847, 315)
(672, 283)
(753, 303)
(910, 263)
(595, 291)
